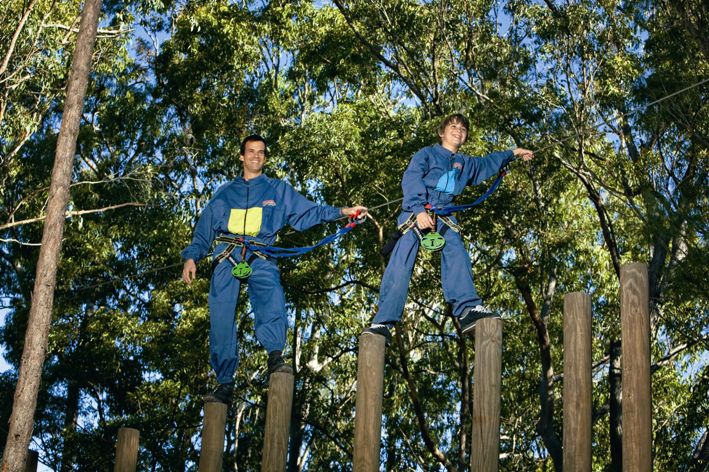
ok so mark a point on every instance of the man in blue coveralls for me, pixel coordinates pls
(254, 207)
(435, 175)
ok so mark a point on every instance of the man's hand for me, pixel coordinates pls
(424, 221)
(189, 271)
(525, 154)
(350, 211)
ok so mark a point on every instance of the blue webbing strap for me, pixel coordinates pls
(452, 209)
(280, 252)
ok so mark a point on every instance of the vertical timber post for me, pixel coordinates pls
(127, 450)
(577, 382)
(277, 432)
(486, 395)
(32, 461)
(635, 362)
(368, 405)
(210, 458)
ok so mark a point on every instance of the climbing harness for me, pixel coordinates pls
(242, 269)
(432, 240)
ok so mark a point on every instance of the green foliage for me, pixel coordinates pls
(345, 92)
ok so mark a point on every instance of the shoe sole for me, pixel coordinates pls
(286, 369)
(213, 399)
(470, 329)
(387, 339)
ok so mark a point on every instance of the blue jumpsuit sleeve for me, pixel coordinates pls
(203, 236)
(479, 169)
(302, 214)
(413, 185)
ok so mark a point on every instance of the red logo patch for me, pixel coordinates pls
(268, 203)
(457, 165)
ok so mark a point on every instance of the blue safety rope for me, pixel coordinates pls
(281, 252)
(445, 211)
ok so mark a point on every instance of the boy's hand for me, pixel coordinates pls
(424, 221)
(525, 154)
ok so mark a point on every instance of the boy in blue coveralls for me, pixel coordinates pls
(256, 207)
(435, 175)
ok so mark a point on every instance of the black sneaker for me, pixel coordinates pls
(277, 364)
(471, 316)
(222, 394)
(380, 329)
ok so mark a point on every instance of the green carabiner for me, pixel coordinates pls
(241, 270)
(433, 241)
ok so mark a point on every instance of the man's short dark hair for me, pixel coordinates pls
(454, 118)
(252, 137)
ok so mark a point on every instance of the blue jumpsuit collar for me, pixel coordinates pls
(258, 178)
(439, 148)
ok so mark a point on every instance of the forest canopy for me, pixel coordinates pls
(611, 95)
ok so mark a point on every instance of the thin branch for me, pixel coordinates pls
(101, 32)
(69, 214)
(15, 36)
(11, 240)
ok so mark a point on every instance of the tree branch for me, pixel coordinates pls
(15, 36)
(21, 243)
(101, 32)
(69, 214)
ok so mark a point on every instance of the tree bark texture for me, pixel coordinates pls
(35, 345)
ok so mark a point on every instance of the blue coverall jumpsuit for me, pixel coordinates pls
(435, 175)
(257, 209)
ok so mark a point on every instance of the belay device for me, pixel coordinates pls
(241, 270)
(432, 241)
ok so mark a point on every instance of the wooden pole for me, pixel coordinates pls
(127, 450)
(278, 412)
(635, 362)
(577, 382)
(368, 405)
(210, 458)
(32, 461)
(486, 395)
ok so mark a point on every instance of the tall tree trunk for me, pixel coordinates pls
(35, 346)
(71, 414)
(545, 425)
(616, 430)
(296, 435)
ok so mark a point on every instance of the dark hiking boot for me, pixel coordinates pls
(380, 329)
(277, 364)
(222, 394)
(471, 316)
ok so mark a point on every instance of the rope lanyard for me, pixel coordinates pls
(446, 211)
(264, 250)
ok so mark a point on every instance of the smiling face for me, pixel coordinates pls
(453, 135)
(253, 157)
